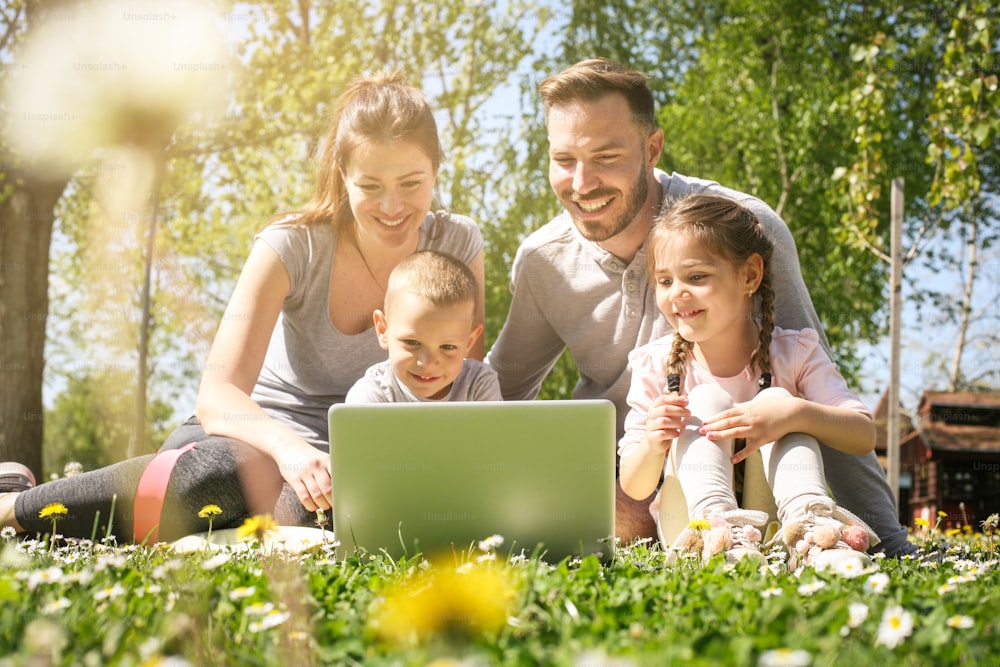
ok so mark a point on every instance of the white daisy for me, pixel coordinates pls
(877, 583)
(960, 622)
(896, 625)
(272, 619)
(857, 612)
(784, 657)
(810, 588)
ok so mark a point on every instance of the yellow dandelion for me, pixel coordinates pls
(923, 523)
(53, 511)
(699, 524)
(448, 602)
(209, 511)
(942, 514)
(257, 527)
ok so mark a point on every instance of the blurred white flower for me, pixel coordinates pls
(115, 74)
(490, 543)
(785, 657)
(960, 622)
(857, 612)
(877, 583)
(271, 619)
(896, 625)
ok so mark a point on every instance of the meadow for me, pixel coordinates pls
(70, 602)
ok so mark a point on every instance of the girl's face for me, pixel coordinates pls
(390, 187)
(703, 295)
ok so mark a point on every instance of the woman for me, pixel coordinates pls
(297, 333)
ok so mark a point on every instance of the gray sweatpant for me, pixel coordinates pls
(218, 471)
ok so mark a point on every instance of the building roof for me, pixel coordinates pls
(961, 421)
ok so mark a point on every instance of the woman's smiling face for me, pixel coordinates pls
(390, 187)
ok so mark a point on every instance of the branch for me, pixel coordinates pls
(11, 28)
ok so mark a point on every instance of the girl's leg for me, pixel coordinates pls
(816, 531)
(704, 468)
(793, 468)
(704, 471)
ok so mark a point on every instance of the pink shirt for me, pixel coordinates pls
(799, 364)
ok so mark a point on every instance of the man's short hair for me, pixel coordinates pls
(591, 80)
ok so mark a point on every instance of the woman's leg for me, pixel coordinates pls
(217, 471)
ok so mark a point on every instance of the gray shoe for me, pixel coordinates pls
(15, 478)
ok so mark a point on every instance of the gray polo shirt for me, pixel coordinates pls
(569, 292)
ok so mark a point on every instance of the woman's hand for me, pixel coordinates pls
(307, 471)
(759, 422)
(664, 421)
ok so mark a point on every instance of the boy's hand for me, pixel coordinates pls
(665, 419)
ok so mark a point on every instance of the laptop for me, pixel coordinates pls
(436, 478)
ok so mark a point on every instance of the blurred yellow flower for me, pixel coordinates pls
(257, 527)
(52, 510)
(923, 523)
(699, 524)
(446, 602)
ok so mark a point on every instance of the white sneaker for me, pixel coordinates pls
(734, 532)
(827, 537)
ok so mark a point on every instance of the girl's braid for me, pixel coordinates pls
(762, 355)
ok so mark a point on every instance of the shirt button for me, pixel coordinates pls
(630, 287)
(614, 266)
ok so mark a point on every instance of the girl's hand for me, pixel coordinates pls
(760, 422)
(665, 419)
(307, 471)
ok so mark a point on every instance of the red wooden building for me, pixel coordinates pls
(949, 457)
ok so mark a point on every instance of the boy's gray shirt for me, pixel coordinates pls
(476, 382)
(569, 292)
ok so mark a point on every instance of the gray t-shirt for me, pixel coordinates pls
(569, 292)
(309, 363)
(475, 382)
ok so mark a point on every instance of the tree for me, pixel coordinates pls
(27, 200)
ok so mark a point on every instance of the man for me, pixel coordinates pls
(579, 282)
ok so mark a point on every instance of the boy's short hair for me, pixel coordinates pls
(439, 278)
(591, 80)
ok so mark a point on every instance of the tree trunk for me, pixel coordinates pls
(26, 219)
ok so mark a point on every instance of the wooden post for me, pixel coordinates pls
(895, 313)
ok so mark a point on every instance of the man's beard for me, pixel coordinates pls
(595, 231)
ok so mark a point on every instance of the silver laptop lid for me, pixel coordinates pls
(432, 477)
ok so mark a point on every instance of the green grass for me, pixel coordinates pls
(92, 604)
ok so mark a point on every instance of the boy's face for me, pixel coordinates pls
(426, 343)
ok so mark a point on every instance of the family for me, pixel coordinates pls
(681, 302)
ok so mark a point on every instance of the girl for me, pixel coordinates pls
(296, 335)
(728, 374)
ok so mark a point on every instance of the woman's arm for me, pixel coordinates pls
(224, 406)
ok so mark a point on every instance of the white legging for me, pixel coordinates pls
(792, 465)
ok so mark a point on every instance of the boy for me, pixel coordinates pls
(428, 328)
